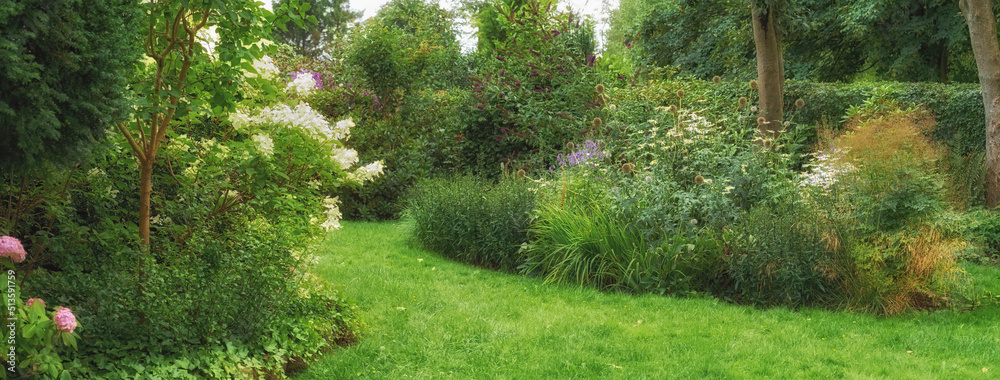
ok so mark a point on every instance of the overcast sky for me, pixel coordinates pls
(594, 8)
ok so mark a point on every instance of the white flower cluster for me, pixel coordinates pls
(332, 213)
(265, 68)
(345, 157)
(367, 172)
(302, 85)
(264, 144)
(825, 169)
(302, 117)
(695, 123)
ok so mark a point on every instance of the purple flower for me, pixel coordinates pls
(621, 77)
(502, 72)
(590, 152)
(501, 59)
(480, 106)
(517, 83)
(534, 73)
(477, 90)
(591, 59)
(555, 33)
(534, 52)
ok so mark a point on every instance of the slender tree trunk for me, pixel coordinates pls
(983, 34)
(145, 190)
(770, 69)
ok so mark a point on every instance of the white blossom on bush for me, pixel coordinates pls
(345, 157)
(301, 85)
(332, 214)
(264, 144)
(825, 169)
(266, 68)
(367, 172)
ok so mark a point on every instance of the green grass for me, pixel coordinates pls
(428, 317)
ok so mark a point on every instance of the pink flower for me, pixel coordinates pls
(31, 301)
(65, 320)
(11, 247)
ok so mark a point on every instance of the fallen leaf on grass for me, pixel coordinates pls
(400, 308)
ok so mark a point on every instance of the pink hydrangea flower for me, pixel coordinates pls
(65, 320)
(31, 301)
(11, 247)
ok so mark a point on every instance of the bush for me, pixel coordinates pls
(580, 236)
(64, 76)
(779, 258)
(473, 221)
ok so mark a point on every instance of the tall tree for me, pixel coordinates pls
(770, 65)
(62, 69)
(983, 34)
(309, 39)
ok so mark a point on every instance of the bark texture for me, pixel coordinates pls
(770, 69)
(983, 34)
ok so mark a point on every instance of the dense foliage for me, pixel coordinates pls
(64, 64)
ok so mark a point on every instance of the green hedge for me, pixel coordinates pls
(958, 107)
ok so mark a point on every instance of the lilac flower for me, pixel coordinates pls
(502, 72)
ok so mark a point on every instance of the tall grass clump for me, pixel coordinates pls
(473, 220)
(889, 252)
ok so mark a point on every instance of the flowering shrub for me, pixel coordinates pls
(11, 247)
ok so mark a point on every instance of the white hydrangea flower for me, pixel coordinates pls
(302, 85)
(343, 128)
(265, 68)
(264, 145)
(332, 213)
(240, 120)
(367, 173)
(345, 157)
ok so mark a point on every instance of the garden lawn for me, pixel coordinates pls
(430, 317)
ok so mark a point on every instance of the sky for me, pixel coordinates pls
(596, 9)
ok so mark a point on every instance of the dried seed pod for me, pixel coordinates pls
(743, 101)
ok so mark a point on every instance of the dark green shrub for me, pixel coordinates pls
(472, 220)
(63, 78)
(423, 140)
(779, 258)
(985, 229)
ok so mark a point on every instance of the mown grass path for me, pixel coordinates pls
(429, 317)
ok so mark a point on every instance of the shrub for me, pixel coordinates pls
(779, 257)
(64, 76)
(473, 221)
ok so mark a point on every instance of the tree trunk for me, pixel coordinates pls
(145, 190)
(770, 69)
(983, 34)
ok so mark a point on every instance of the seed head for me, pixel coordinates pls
(672, 109)
(597, 122)
(698, 179)
(761, 120)
(628, 167)
(694, 222)
(799, 103)
(753, 84)
(743, 102)
(570, 145)
(716, 79)
(680, 93)
(520, 173)
(600, 88)
(612, 107)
